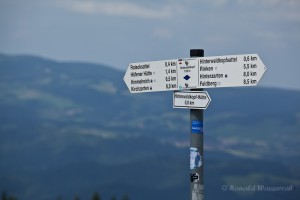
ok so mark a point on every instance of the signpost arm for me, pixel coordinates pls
(196, 145)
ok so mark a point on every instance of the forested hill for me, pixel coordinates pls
(73, 129)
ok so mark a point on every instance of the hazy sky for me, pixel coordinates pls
(117, 32)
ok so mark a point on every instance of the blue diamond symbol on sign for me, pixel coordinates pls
(187, 77)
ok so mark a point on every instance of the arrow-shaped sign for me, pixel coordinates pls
(191, 99)
(189, 73)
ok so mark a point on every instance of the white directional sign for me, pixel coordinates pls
(189, 73)
(191, 99)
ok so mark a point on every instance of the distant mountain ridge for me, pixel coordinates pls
(73, 128)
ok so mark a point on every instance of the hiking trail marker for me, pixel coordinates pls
(194, 73)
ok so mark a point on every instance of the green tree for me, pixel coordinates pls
(113, 197)
(125, 197)
(96, 196)
(12, 198)
(4, 196)
(76, 197)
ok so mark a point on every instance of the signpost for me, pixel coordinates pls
(194, 73)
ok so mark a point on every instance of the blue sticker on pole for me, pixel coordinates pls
(197, 127)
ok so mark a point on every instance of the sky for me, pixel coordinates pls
(119, 32)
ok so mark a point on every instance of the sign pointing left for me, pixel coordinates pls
(151, 76)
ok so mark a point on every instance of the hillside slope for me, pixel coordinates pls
(73, 128)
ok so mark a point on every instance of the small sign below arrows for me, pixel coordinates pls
(191, 99)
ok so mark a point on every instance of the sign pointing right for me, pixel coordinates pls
(191, 99)
(230, 71)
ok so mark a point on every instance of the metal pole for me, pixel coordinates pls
(196, 146)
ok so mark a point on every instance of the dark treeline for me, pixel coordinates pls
(96, 196)
(8, 197)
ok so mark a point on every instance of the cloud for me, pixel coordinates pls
(270, 10)
(219, 2)
(162, 33)
(270, 2)
(121, 8)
